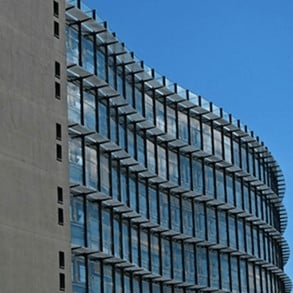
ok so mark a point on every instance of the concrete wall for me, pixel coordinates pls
(30, 237)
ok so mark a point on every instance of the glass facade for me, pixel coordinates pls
(168, 192)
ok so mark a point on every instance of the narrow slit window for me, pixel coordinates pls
(60, 216)
(57, 90)
(61, 259)
(58, 131)
(56, 8)
(56, 29)
(59, 152)
(60, 194)
(62, 282)
(57, 69)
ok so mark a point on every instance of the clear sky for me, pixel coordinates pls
(235, 53)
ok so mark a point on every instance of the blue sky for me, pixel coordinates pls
(238, 54)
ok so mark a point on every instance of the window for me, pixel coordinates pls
(56, 29)
(56, 8)
(60, 216)
(62, 282)
(57, 69)
(60, 194)
(61, 259)
(59, 152)
(58, 131)
(57, 90)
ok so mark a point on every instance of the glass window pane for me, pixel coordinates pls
(88, 54)
(91, 167)
(75, 160)
(73, 102)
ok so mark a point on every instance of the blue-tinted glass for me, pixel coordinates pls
(236, 154)
(153, 204)
(202, 273)
(125, 239)
(212, 225)
(106, 233)
(166, 257)
(207, 138)
(77, 220)
(75, 160)
(108, 278)
(117, 238)
(151, 156)
(200, 226)
(78, 275)
(104, 174)
(128, 92)
(101, 65)
(142, 200)
(144, 249)
(173, 167)
(195, 133)
(243, 276)
(227, 145)
(197, 176)
(93, 226)
(175, 213)
(214, 268)
(218, 143)
(132, 194)
(187, 217)
(177, 260)
(134, 245)
(164, 209)
(91, 167)
(73, 102)
(72, 51)
(95, 277)
(140, 149)
(155, 254)
(162, 169)
(209, 181)
(182, 125)
(89, 110)
(103, 117)
(234, 274)
(184, 172)
(149, 108)
(189, 263)
(222, 227)
(160, 115)
(171, 121)
(232, 232)
(88, 54)
(230, 191)
(220, 185)
(225, 272)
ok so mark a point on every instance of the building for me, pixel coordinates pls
(166, 191)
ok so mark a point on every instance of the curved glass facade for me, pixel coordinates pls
(168, 192)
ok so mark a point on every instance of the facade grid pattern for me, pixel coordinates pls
(166, 196)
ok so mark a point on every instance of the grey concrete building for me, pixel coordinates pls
(30, 173)
(115, 179)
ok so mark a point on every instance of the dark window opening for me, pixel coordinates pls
(62, 282)
(59, 152)
(56, 8)
(57, 69)
(60, 216)
(60, 194)
(57, 90)
(58, 131)
(56, 29)
(61, 260)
